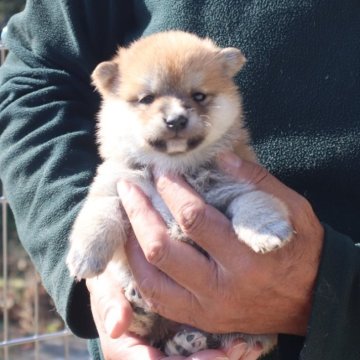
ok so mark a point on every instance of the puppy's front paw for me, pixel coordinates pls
(87, 262)
(186, 342)
(261, 221)
(99, 233)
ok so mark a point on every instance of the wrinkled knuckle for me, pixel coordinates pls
(193, 321)
(151, 293)
(133, 212)
(305, 205)
(155, 307)
(192, 217)
(148, 290)
(259, 174)
(156, 252)
(100, 305)
(303, 209)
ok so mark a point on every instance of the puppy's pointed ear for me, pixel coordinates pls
(233, 60)
(106, 78)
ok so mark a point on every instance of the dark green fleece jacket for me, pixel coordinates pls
(301, 89)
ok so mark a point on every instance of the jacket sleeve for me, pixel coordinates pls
(47, 124)
(334, 326)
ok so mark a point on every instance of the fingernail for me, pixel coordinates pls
(229, 162)
(159, 172)
(237, 351)
(111, 320)
(163, 180)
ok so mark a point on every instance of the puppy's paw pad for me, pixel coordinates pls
(186, 342)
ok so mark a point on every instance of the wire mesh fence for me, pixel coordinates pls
(29, 325)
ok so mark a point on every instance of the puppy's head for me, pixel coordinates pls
(168, 98)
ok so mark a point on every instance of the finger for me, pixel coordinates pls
(246, 171)
(159, 250)
(252, 354)
(244, 351)
(141, 352)
(129, 347)
(162, 295)
(110, 309)
(134, 348)
(153, 284)
(208, 355)
(199, 221)
(255, 174)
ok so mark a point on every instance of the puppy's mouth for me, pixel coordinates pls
(176, 145)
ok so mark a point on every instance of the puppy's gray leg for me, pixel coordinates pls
(260, 220)
(99, 231)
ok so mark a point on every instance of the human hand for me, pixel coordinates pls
(112, 315)
(235, 290)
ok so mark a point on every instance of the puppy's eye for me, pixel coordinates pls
(199, 96)
(147, 99)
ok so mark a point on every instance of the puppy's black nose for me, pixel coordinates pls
(176, 123)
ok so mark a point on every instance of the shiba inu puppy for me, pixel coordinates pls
(170, 102)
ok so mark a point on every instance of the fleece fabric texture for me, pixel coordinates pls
(301, 90)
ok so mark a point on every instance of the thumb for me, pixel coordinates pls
(242, 170)
(111, 311)
(246, 171)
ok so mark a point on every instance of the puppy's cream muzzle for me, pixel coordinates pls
(180, 129)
